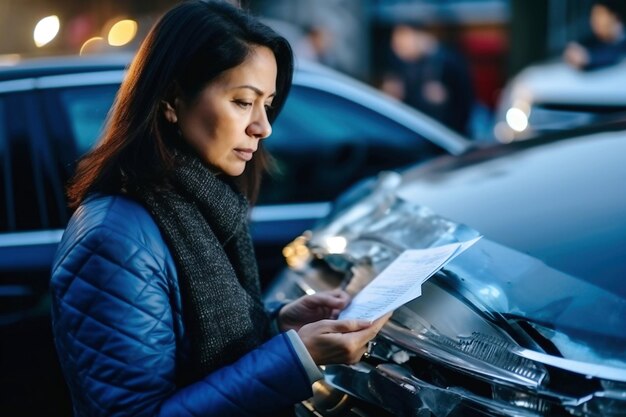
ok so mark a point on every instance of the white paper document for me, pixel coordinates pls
(401, 281)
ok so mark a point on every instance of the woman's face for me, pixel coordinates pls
(229, 118)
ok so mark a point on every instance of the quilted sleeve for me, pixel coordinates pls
(264, 382)
(113, 326)
(114, 331)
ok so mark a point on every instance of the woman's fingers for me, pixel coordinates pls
(380, 322)
(342, 326)
(355, 326)
(339, 341)
(336, 299)
(339, 293)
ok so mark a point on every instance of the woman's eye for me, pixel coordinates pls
(243, 104)
(268, 107)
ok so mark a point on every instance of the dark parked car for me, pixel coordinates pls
(332, 132)
(530, 321)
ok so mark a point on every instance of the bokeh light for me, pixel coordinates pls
(336, 244)
(517, 119)
(46, 30)
(92, 45)
(122, 32)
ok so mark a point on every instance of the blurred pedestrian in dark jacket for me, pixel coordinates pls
(608, 45)
(429, 77)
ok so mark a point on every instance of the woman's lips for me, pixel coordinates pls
(245, 154)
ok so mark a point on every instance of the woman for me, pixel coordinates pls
(156, 301)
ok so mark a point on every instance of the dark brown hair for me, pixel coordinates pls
(188, 47)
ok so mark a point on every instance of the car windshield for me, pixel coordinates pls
(563, 314)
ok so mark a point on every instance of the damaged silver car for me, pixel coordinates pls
(530, 321)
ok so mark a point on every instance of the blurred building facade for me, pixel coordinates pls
(536, 28)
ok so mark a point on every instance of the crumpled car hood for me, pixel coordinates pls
(583, 321)
(499, 315)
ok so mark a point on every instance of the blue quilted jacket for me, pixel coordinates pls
(119, 331)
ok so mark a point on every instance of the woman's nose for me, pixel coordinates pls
(260, 126)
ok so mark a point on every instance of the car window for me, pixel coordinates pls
(47, 132)
(25, 197)
(329, 120)
(48, 182)
(86, 110)
(6, 203)
(323, 143)
(74, 119)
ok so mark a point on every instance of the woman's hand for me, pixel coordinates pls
(339, 341)
(312, 308)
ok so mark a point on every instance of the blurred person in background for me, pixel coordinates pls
(334, 32)
(429, 77)
(608, 45)
(316, 45)
(156, 305)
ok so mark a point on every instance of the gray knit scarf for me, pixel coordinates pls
(204, 222)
